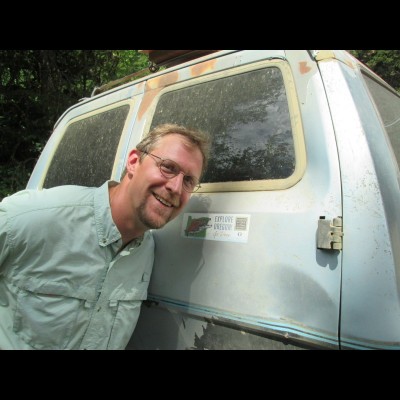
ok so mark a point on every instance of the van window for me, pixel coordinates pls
(247, 115)
(388, 104)
(91, 142)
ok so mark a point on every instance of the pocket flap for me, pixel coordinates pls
(58, 288)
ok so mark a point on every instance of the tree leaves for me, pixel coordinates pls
(36, 87)
(385, 63)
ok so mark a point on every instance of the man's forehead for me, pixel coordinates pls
(175, 138)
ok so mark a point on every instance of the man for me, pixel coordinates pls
(75, 262)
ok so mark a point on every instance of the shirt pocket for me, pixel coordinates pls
(127, 313)
(49, 315)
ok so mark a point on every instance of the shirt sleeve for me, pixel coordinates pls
(4, 247)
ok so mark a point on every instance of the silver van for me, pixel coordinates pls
(293, 240)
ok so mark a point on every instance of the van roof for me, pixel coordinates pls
(170, 58)
(157, 59)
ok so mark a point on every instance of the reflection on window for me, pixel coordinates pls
(248, 117)
(389, 108)
(91, 142)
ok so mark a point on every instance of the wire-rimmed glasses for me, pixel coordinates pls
(169, 169)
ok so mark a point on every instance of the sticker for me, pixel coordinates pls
(222, 227)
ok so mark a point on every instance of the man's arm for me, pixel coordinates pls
(4, 250)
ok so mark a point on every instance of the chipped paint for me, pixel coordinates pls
(324, 55)
(140, 87)
(329, 55)
(153, 87)
(304, 68)
(162, 80)
(200, 69)
(220, 337)
(349, 64)
(148, 98)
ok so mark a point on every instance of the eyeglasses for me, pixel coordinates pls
(169, 169)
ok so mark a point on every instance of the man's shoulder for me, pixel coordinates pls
(31, 199)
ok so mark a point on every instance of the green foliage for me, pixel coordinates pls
(36, 87)
(129, 61)
(13, 178)
(385, 63)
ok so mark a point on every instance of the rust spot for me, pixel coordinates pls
(202, 68)
(162, 81)
(146, 101)
(304, 68)
(155, 85)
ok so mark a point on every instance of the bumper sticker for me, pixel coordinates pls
(222, 227)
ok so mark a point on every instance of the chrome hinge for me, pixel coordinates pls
(330, 233)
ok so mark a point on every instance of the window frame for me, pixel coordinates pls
(295, 120)
(121, 150)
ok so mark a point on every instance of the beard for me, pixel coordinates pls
(153, 219)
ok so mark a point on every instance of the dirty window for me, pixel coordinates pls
(248, 117)
(91, 142)
(388, 105)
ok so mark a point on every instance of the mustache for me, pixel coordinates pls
(173, 200)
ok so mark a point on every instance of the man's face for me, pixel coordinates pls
(156, 199)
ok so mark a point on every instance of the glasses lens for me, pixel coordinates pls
(190, 184)
(169, 168)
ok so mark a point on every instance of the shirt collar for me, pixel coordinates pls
(107, 231)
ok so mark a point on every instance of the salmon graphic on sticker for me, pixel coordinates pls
(197, 227)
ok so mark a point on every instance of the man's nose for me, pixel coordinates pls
(175, 184)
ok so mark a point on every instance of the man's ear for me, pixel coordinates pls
(133, 161)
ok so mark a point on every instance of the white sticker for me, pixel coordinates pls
(222, 227)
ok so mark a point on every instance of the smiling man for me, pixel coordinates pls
(75, 262)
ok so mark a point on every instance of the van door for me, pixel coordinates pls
(251, 263)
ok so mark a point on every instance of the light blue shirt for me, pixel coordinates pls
(64, 284)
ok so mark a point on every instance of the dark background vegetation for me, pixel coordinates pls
(37, 86)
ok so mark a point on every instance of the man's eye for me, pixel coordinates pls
(170, 168)
(189, 181)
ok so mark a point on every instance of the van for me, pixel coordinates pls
(293, 239)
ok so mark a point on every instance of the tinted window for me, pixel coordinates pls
(91, 142)
(388, 105)
(247, 115)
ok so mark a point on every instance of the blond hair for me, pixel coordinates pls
(197, 138)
